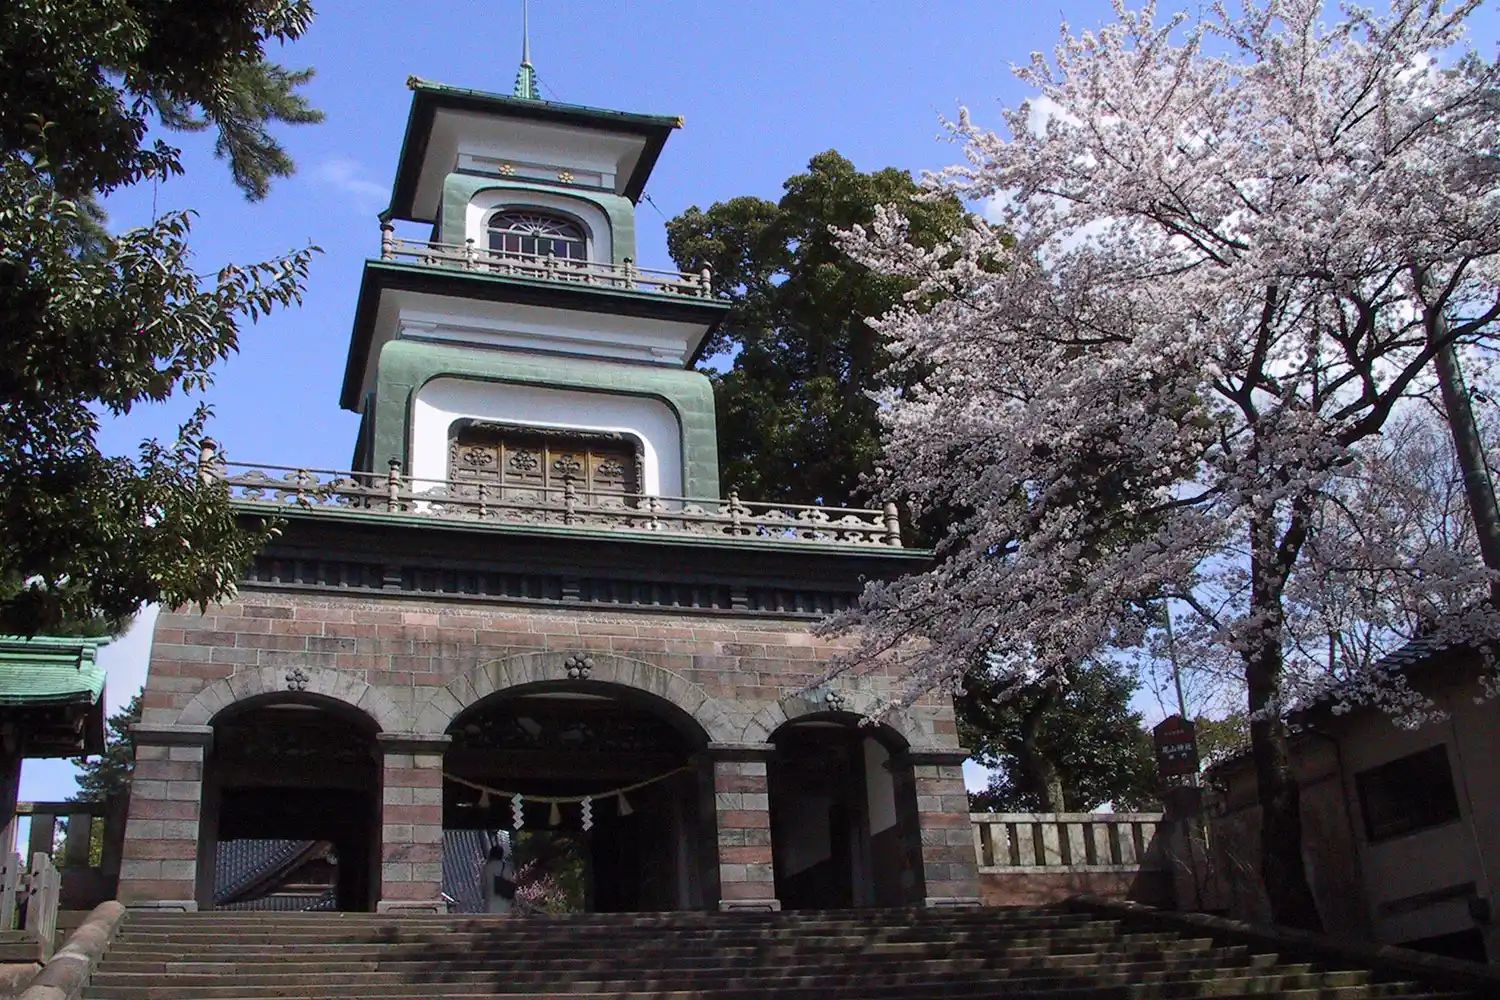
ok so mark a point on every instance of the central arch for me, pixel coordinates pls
(585, 667)
(598, 791)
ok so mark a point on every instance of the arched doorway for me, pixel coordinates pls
(291, 807)
(648, 848)
(838, 814)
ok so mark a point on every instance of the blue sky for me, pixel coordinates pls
(762, 84)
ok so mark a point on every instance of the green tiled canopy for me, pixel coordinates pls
(51, 696)
(48, 670)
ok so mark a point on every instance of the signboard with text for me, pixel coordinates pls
(1176, 743)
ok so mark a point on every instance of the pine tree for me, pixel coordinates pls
(108, 774)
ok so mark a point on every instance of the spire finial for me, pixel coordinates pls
(526, 77)
(525, 32)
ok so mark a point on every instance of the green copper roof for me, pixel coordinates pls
(428, 98)
(46, 670)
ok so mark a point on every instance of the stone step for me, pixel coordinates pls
(1142, 946)
(1039, 954)
(504, 937)
(826, 983)
(436, 973)
(1218, 958)
(946, 988)
(136, 926)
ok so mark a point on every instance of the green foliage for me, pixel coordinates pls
(796, 423)
(97, 323)
(1220, 739)
(95, 72)
(108, 774)
(1060, 750)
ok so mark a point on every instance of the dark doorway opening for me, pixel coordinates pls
(837, 826)
(291, 817)
(646, 850)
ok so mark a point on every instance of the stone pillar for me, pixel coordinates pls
(159, 861)
(742, 808)
(950, 871)
(411, 823)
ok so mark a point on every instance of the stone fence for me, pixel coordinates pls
(1037, 858)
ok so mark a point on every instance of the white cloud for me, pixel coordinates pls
(344, 175)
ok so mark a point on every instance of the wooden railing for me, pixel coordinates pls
(551, 506)
(78, 841)
(29, 900)
(87, 861)
(1054, 843)
(468, 256)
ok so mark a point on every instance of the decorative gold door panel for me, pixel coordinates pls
(529, 465)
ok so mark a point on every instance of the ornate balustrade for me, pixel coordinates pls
(1059, 843)
(565, 506)
(468, 256)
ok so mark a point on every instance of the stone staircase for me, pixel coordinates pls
(1053, 954)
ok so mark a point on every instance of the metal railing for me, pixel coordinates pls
(568, 505)
(468, 256)
(1055, 843)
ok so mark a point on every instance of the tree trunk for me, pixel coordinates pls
(1287, 888)
(1478, 489)
(1039, 768)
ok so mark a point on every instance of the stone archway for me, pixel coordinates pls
(581, 668)
(897, 728)
(340, 686)
(584, 728)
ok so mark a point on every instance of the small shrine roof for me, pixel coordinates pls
(50, 670)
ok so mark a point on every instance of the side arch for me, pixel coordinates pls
(335, 685)
(498, 676)
(849, 702)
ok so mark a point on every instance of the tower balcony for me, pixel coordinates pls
(274, 488)
(468, 256)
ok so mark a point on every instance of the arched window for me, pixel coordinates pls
(537, 234)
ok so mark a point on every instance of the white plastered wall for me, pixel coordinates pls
(880, 789)
(442, 401)
(600, 245)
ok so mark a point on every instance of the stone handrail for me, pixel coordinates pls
(564, 506)
(468, 256)
(1054, 843)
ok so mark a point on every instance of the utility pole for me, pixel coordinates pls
(1479, 490)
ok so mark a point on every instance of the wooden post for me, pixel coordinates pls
(387, 240)
(892, 525)
(208, 457)
(10, 880)
(393, 487)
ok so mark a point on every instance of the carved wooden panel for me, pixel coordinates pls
(526, 464)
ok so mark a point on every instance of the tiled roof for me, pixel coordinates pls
(50, 670)
(242, 863)
(464, 855)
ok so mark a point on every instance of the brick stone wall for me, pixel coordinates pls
(412, 666)
(409, 651)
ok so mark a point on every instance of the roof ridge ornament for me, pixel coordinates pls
(525, 87)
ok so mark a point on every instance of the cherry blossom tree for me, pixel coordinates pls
(1223, 256)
